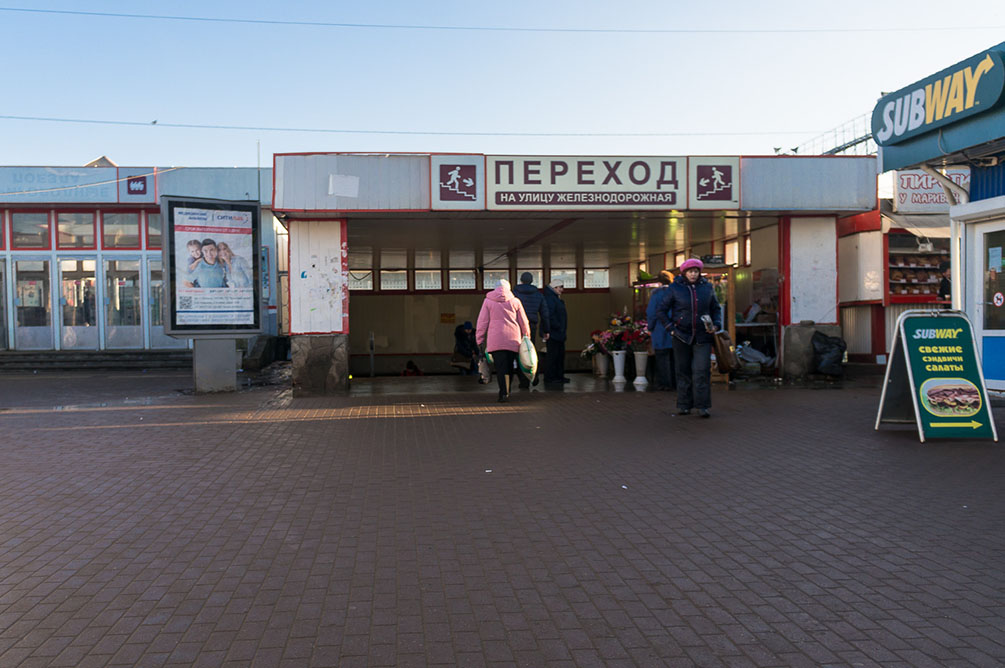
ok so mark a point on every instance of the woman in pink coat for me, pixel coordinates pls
(502, 324)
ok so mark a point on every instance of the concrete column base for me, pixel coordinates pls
(214, 365)
(320, 364)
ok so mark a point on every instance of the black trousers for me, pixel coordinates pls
(503, 360)
(554, 362)
(693, 365)
(665, 379)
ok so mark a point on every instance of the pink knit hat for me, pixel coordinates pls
(692, 262)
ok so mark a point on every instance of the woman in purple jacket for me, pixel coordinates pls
(502, 324)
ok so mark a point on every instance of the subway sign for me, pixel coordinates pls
(963, 90)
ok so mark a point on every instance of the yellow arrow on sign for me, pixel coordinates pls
(973, 424)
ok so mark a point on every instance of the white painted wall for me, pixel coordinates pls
(860, 257)
(318, 282)
(813, 269)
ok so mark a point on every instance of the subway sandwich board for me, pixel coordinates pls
(933, 378)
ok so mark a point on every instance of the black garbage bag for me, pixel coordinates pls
(828, 352)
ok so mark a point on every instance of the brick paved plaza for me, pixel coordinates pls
(142, 526)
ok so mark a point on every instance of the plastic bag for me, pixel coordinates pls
(527, 358)
(828, 352)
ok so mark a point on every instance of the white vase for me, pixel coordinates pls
(603, 364)
(641, 359)
(619, 365)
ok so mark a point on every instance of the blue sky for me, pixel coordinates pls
(708, 92)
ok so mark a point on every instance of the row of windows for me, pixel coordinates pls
(467, 279)
(80, 230)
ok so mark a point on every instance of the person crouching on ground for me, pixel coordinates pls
(502, 324)
(691, 296)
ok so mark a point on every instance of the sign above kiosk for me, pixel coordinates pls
(965, 89)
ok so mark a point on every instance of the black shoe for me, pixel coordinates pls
(703, 412)
(566, 380)
(503, 398)
(685, 411)
(537, 379)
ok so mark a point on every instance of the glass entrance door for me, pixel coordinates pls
(33, 305)
(78, 304)
(123, 309)
(991, 303)
(158, 339)
(3, 304)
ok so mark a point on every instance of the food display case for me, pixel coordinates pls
(912, 268)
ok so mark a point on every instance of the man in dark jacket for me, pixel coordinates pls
(537, 313)
(554, 363)
(661, 338)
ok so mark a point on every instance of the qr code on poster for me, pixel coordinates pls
(184, 303)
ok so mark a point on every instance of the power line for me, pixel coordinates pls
(394, 26)
(438, 133)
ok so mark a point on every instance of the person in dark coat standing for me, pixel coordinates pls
(661, 338)
(691, 297)
(554, 364)
(536, 309)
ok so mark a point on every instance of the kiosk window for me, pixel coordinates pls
(154, 230)
(428, 279)
(463, 279)
(75, 230)
(732, 247)
(360, 264)
(596, 278)
(120, 230)
(29, 230)
(393, 280)
(492, 276)
(568, 277)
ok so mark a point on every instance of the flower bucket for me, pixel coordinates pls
(601, 365)
(619, 365)
(641, 359)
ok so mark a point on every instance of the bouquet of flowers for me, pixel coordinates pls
(625, 333)
(596, 347)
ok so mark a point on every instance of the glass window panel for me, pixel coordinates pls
(595, 278)
(746, 249)
(463, 280)
(491, 277)
(120, 230)
(3, 235)
(427, 259)
(428, 279)
(732, 247)
(75, 230)
(495, 258)
(564, 257)
(595, 257)
(529, 257)
(156, 293)
(360, 280)
(360, 258)
(538, 276)
(994, 280)
(568, 276)
(29, 230)
(678, 259)
(393, 258)
(154, 230)
(393, 280)
(462, 259)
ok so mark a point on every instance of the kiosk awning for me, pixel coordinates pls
(928, 226)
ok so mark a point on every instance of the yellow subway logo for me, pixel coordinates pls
(973, 86)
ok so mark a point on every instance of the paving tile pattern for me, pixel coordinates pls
(559, 529)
